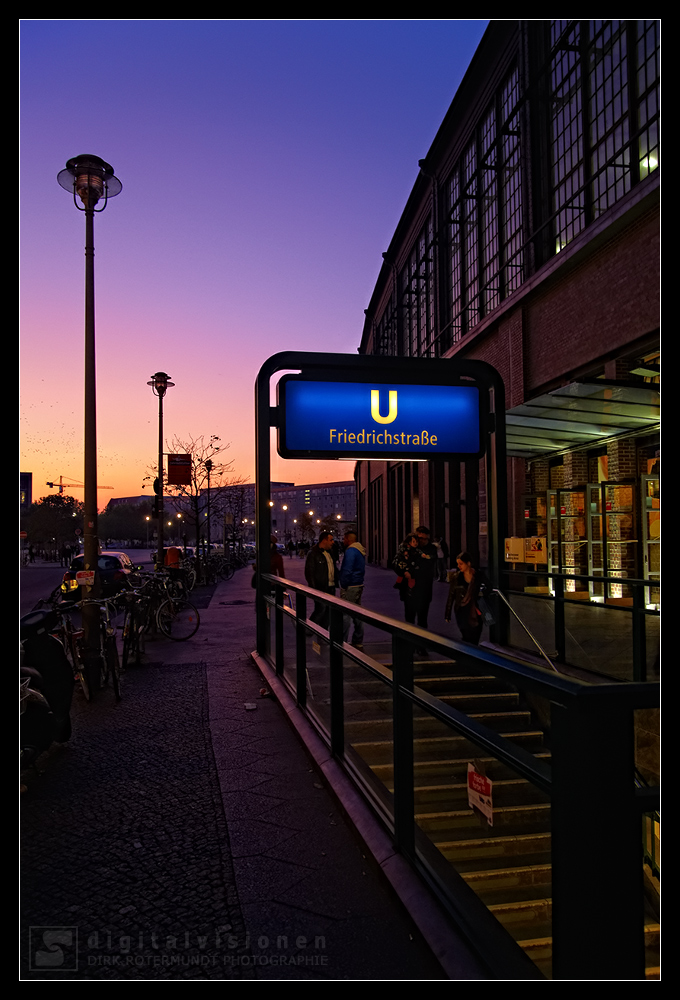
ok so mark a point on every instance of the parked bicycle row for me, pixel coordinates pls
(55, 654)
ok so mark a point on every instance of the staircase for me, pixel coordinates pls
(507, 865)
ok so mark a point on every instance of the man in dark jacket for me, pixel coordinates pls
(320, 574)
(352, 585)
(425, 578)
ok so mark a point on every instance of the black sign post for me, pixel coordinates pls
(366, 407)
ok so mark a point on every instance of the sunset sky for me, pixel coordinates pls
(264, 165)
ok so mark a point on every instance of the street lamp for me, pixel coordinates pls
(91, 180)
(208, 468)
(160, 383)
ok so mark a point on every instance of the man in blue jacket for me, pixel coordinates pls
(352, 574)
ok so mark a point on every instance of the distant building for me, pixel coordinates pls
(25, 490)
(336, 500)
(132, 501)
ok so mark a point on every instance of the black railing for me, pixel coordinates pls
(587, 781)
(632, 630)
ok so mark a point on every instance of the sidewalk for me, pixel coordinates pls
(186, 834)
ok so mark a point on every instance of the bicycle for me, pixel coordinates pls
(178, 619)
(152, 605)
(90, 675)
(105, 666)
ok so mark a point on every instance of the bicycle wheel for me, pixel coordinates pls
(178, 619)
(226, 571)
(79, 670)
(130, 639)
(113, 664)
(91, 676)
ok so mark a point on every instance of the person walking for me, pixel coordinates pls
(352, 574)
(320, 574)
(407, 565)
(463, 598)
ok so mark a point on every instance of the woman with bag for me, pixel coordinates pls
(463, 596)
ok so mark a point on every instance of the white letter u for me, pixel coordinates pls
(375, 407)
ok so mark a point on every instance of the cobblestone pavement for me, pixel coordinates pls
(184, 834)
(125, 843)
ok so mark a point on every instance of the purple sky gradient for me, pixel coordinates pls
(264, 165)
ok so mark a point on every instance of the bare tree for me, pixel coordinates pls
(238, 505)
(305, 525)
(206, 497)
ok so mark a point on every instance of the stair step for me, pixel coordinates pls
(508, 792)
(480, 703)
(380, 751)
(539, 950)
(505, 818)
(493, 849)
(494, 895)
(424, 726)
(439, 771)
(522, 914)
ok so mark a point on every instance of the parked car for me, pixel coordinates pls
(114, 569)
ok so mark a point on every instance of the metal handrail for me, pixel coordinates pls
(526, 629)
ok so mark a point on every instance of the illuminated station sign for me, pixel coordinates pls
(374, 420)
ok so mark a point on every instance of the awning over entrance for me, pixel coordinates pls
(578, 414)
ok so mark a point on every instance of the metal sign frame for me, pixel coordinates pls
(403, 371)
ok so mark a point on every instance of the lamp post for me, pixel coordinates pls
(91, 180)
(160, 383)
(208, 468)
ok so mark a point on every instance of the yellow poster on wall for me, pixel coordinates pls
(535, 549)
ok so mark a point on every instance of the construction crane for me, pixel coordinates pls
(61, 486)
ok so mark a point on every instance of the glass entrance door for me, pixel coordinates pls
(651, 538)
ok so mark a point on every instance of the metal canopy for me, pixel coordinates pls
(578, 414)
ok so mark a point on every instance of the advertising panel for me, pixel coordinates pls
(179, 470)
(361, 420)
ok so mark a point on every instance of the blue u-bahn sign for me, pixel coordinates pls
(377, 420)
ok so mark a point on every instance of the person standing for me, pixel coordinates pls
(463, 598)
(320, 574)
(442, 558)
(425, 578)
(275, 558)
(407, 564)
(352, 574)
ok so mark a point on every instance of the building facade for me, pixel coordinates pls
(531, 241)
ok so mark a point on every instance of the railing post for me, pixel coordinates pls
(639, 635)
(278, 628)
(301, 648)
(336, 682)
(596, 855)
(402, 746)
(560, 640)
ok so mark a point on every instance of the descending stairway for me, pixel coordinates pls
(508, 865)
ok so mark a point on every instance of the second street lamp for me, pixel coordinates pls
(208, 468)
(160, 383)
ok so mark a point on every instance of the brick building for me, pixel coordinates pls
(531, 241)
